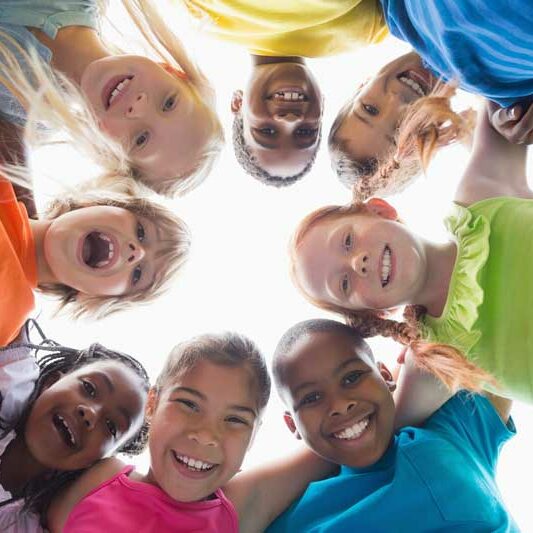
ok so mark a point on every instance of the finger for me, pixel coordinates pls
(521, 132)
(503, 118)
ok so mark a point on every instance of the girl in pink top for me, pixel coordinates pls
(204, 411)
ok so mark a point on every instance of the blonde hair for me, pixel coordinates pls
(51, 98)
(174, 235)
(446, 362)
(428, 124)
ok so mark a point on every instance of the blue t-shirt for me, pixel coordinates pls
(47, 15)
(436, 478)
(484, 45)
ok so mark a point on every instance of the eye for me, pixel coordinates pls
(236, 420)
(142, 139)
(112, 428)
(305, 132)
(347, 242)
(371, 110)
(267, 131)
(310, 399)
(136, 275)
(140, 232)
(170, 103)
(345, 284)
(188, 403)
(352, 377)
(89, 388)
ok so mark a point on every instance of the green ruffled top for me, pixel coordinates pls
(489, 311)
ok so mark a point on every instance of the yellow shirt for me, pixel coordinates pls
(307, 28)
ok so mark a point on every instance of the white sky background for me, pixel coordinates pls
(237, 275)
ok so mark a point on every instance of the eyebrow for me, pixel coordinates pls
(198, 394)
(260, 142)
(366, 121)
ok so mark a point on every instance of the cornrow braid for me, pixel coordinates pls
(39, 492)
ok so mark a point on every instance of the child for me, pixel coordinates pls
(468, 44)
(360, 261)
(96, 252)
(277, 120)
(58, 415)
(203, 412)
(162, 112)
(438, 477)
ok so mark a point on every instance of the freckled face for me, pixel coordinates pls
(282, 114)
(102, 250)
(200, 430)
(368, 131)
(361, 262)
(339, 400)
(153, 113)
(85, 416)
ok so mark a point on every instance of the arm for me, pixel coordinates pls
(418, 394)
(67, 499)
(263, 493)
(496, 167)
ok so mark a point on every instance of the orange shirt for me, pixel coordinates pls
(18, 268)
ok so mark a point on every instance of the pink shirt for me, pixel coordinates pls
(124, 505)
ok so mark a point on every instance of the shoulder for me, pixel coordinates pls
(67, 499)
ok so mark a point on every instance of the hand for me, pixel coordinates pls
(515, 123)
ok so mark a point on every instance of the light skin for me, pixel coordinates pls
(156, 116)
(368, 129)
(79, 418)
(97, 250)
(208, 413)
(282, 135)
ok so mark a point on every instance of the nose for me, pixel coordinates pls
(289, 115)
(341, 406)
(137, 108)
(135, 252)
(203, 435)
(360, 263)
(88, 415)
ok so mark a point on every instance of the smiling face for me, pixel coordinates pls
(368, 129)
(282, 112)
(361, 261)
(85, 415)
(339, 400)
(155, 115)
(201, 428)
(102, 250)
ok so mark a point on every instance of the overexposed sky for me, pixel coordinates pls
(237, 275)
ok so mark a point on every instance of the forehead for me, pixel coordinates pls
(115, 370)
(284, 161)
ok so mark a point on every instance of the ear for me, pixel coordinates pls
(151, 403)
(236, 101)
(387, 376)
(382, 208)
(289, 422)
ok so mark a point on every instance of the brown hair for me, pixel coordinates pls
(226, 349)
(444, 361)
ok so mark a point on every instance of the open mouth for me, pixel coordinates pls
(289, 95)
(386, 266)
(194, 465)
(116, 88)
(415, 81)
(354, 431)
(98, 250)
(64, 430)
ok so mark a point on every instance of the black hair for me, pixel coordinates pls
(38, 493)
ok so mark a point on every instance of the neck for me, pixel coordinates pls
(19, 466)
(265, 60)
(39, 229)
(73, 49)
(440, 264)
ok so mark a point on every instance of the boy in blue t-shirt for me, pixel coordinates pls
(438, 477)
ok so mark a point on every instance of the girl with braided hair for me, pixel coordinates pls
(361, 261)
(59, 414)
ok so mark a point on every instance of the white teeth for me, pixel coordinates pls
(386, 267)
(118, 89)
(413, 85)
(353, 431)
(69, 433)
(289, 96)
(194, 464)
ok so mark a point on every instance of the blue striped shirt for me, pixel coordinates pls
(485, 45)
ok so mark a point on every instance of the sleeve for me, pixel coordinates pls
(471, 421)
(18, 373)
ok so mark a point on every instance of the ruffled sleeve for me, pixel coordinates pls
(456, 324)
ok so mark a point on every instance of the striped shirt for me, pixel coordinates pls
(484, 45)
